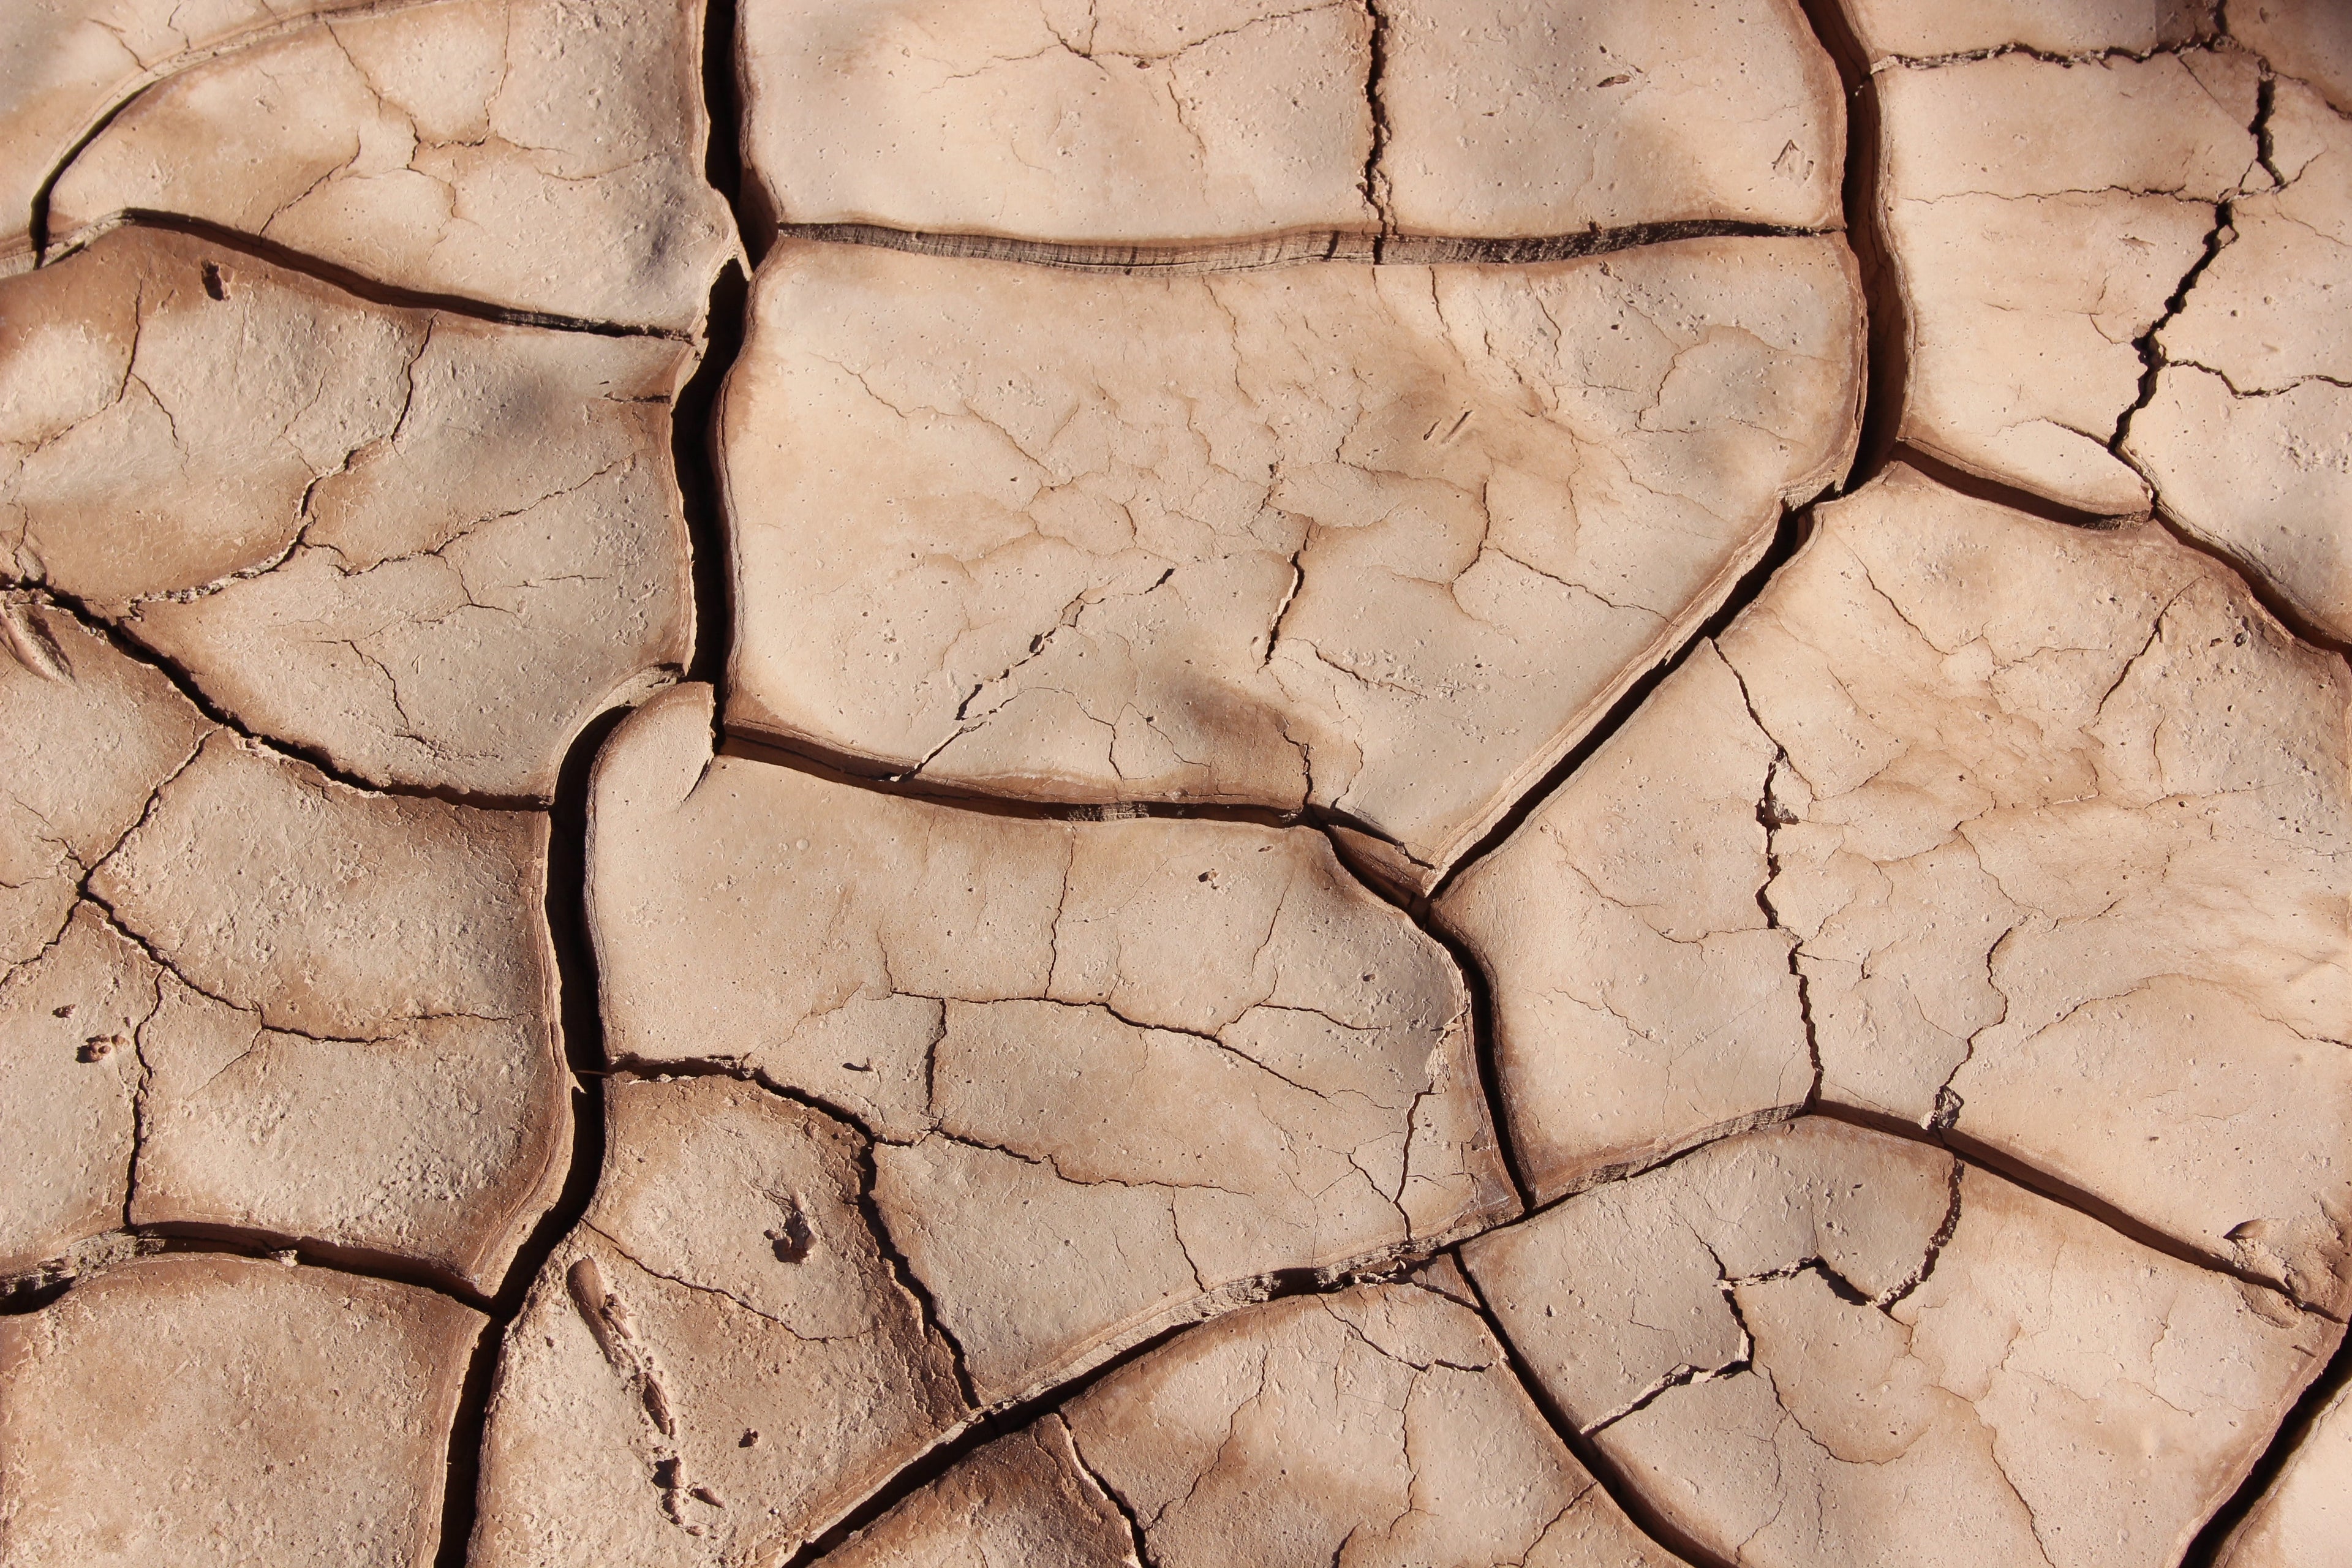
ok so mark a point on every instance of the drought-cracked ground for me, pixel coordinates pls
(1066, 783)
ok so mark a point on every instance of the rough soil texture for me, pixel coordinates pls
(1388, 784)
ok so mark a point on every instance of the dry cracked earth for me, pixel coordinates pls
(1065, 783)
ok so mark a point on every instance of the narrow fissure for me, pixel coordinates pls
(992, 1423)
(31, 1292)
(1478, 986)
(53, 1280)
(1603, 1470)
(128, 644)
(2055, 1189)
(2016, 498)
(2205, 1548)
(1375, 179)
(1772, 816)
(1789, 537)
(850, 770)
(878, 1224)
(1137, 1542)
(2217, 239)
(2151, 353)
(2257, 586)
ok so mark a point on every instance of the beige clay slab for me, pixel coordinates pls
(210, 1409)
(424, 547)
(1115, 1071)
(719, 1359)
(1928, 1365)
(536, 156)
(1377, 1426)
(1381, 540)
(1119, 121)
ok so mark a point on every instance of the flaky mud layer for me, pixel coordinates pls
(1059, 782)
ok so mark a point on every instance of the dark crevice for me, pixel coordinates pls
(722, 148)
(1284, 249)
(2202, 40)
(1772, 816)
(1978, 487)
(1478, 986)
(870, 1207)
(2250, 577)
(583, 1034)
(359, 286)
(1475, 982)
(1374, 180)
(1651, 1160)
(2217, 239)
(694, 456)
(1888, 318)
(2205, 1550)
(693, 453)
(1628, 1500)
(2065, 1194)
(2265, 136)
(35, 1289)
(131, 646)
(2257, 584)
(1136, 1542)
(2151, 353)
(21, 1294)
(1795, 527)
(819, 762)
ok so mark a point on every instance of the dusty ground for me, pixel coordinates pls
(1074, 781)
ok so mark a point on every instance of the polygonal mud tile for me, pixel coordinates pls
(340, 518)
(1823, 1345)
(541, 155)
(1378, 1425)
(1117, 1073)
(1115, 122)
(1383, 542)
(282, 1006)
(720, 1359)
(2035, 836)
(213, 1409)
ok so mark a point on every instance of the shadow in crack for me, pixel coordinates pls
(583, 1050)
(1881, 280)
(2205, 1551)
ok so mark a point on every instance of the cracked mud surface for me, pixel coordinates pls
(1065, 783)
